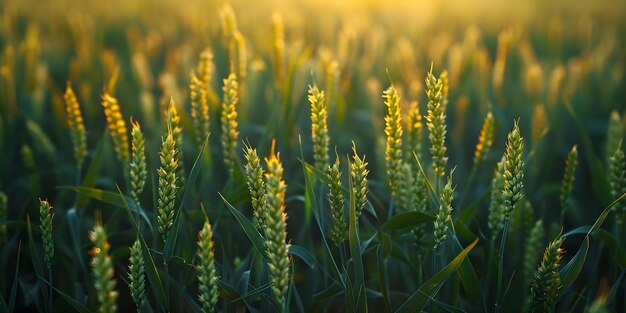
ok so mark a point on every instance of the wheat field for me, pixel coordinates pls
(312, 156)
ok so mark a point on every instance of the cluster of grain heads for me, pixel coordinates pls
(496, 206)
(617, 181)
(393, 151)
(443, 219)
(168, 184)
(137, 275)
(568, 178)
(207, 275)
(336, 200)
(117, 128)
(76, 125)
(485, 139)
(138, 171)
(533, 250)
(278, 56)
(174, 123)
(319, 128)
(228, 120)
(545, 286)
(276, 227)
(256, 185)
(103, 272)
(513, 170)
(358, 174)
(45, 218)
(199, 108)
(436, 122)
(3, 215)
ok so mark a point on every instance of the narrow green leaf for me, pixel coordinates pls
(94, 169)
(304, 255)
(569, 273)
(406, 220)
(430, 288)
(310, 202)
(16, 276)
(249, 229)
(69, 299)
(110, 198)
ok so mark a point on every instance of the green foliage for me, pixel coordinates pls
(361, 229)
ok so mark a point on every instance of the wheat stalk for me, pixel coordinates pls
(532, 250)
(496, 206)
(617, 181)
(513, 170)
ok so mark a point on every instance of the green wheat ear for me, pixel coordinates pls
(199, 108)
(229, 122)
(174, 123)
(137, 275)
(76, 124)
(568, 178)
(256, 185)
(617, 181)
(513, 170)
(103, 271)
(276, 227)
(168, 184)
(45, 217)
(207, 275)
(117, 128)
(497, 205)
(138, 171)
(359, 172)
(319, 127)
(436, 122)
(485, 139)
(336, 200)
(544, 289)
(393, 130)
(443, 219)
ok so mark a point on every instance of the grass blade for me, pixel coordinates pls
(249, 229)
(429, 289)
